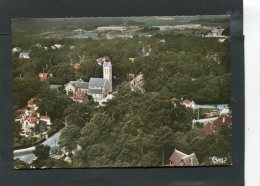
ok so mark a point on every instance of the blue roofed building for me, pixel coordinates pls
(24, 55)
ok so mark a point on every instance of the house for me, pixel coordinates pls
(146, 50)
(56, 46)
(43, 76)
(162, 41)
(101, 60)
(215, 126)
(136, 84)
(46, 119)
(31, 103)
(75, 66)
(131, 59)
(225, 111)
(24, 55)
(28, 124)
(189, 104)
(216, 32)
(175, 101)
(15, 50)
(179, 158)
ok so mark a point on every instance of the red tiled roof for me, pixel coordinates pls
(186, 101)
(75, 66)
(222, 120)
(213, 128)
(79, 95)
(43, 76)
(45, 118)
(32, 119)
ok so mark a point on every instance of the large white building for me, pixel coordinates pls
(98, 88)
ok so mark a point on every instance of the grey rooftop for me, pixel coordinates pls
(95, 91)
(97, 82)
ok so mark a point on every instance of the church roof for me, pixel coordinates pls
(80, 84)
(97, 82)
(95, 91)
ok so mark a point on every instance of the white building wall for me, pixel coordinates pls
(107, 74)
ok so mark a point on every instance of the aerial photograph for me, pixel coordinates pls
(120, 92)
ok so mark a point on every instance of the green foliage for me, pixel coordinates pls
(69, 137)
(50, 163)
(133, 129)
(18, 164)
(79, 113)
(42, 151)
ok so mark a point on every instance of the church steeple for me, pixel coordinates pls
(107, 73)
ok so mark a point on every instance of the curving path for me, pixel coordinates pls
(27, 156)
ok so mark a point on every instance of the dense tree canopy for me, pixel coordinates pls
(133, 129)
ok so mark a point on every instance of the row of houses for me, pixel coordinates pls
(30, 119)
(25, 54)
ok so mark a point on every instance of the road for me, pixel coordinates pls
(27, 156)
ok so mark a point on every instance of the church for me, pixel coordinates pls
(98, 88)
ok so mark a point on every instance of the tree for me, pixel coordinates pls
(79, 113)
(163, 138)
(18, 164)
(69, 137)
(61, 74)
(42, 151)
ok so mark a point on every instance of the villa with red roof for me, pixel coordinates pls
(215, 126)
(30, 119)
(179, 158)
(43, 76)
(189, 104)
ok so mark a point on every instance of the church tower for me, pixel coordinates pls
(107, 74)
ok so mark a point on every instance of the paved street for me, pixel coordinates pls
(27, 155)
